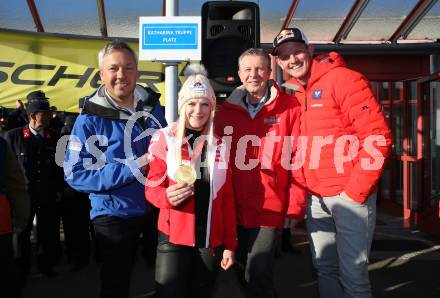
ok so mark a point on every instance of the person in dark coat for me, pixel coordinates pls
(55, 122)
(75, 214)
(3, 120)
(14, 212)
(17, 117)
(34, 146)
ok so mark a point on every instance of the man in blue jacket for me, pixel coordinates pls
(105, 157)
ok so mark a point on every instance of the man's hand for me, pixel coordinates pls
(19, 104)
(144, 160)
(292, 224)
(345, 196)
(179, 192)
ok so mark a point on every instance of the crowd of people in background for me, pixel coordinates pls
(32, 131)
(51, 219)
(198, 210)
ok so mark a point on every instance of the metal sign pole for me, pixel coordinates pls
(172, 7)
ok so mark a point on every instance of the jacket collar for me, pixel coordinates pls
(321, 65)
(237, 97)
(100, 105)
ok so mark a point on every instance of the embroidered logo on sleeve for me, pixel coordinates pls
(272, 120)
(75, 146)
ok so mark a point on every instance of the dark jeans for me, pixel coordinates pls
(254, 261)
(76, 223)
(48, 235)
(116, 240)
(9, 284)
(149, 237)
(185, 271)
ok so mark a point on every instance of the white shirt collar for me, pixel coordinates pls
(35, 132)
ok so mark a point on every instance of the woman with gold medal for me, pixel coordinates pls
(189, 181)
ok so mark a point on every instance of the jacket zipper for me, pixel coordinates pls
(305, 101)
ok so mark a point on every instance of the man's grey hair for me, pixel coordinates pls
(254, 52)
(116, 45)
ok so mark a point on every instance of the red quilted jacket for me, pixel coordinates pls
(338, 109)
(179, 222)
(265, 189)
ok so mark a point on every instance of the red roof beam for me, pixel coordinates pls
(290, 13)
(412, 19)
(102, 18)
(350, 20)
(35, 15)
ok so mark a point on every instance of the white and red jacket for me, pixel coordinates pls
(179, 222)
(265, 187)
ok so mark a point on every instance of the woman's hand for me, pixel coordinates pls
(228, 259)
(178, 193)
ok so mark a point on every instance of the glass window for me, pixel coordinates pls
(411, 118)
(320, 20)
(435, 137)
(385, 184)
(428, 28)
(380, 19)
(272, 18)
(411, 90)
(398, 180)
(386, 111)
(391, 186)
(414, 188)
(397, 88)
(191, 7)
(16, 15)
(70, 17)
(194, 7)
(384, 91)
(397, 127)
(123, 16)
(411, 129)
(396, 120)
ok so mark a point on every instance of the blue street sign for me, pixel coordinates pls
(169, 36)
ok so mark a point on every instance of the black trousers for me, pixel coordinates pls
(48, 235)
(149, 237)
(48, 240)
(9, 284)
(76, 223)
(184, 271)
(116, 240)
(254, 261)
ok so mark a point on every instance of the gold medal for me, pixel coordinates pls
(185, 174)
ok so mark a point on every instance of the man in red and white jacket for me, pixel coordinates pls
(348, 141)
(261, 125)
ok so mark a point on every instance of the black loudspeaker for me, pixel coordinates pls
(228, 29)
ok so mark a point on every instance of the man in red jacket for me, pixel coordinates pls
(261, 124)
(348, 140)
